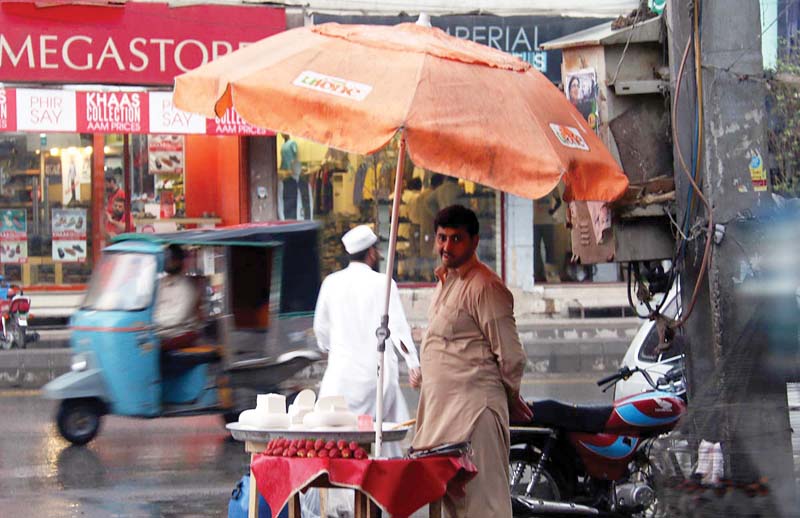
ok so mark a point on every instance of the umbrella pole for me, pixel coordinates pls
(383, 331)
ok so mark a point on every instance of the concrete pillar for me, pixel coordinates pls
(519, 243)
(734, 398)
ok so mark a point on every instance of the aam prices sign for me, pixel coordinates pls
(112, 112)
(135, 43)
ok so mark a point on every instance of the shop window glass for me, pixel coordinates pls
(341, 190)
(45, 207)
(157, 177)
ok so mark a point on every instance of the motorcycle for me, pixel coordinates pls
(575, 460)
(14, 312)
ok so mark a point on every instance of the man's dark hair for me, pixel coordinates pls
(437, 180)
(176, 252)
(359, 256)
(111, 178)
(415, 184)
(457, 216)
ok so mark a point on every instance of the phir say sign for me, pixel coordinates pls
(45, 110)
(166, 118)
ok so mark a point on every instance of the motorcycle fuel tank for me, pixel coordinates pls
(646, 413)
(604, 455)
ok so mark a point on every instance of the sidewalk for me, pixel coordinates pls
(555, 343)
(553, 346)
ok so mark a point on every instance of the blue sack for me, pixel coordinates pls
(240, 498)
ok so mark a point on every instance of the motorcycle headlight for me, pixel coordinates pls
(79, 363)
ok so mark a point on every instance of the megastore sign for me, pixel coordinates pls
(131, 44)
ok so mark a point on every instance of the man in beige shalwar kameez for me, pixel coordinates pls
(472, 364)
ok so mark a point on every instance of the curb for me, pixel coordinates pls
(32, 368)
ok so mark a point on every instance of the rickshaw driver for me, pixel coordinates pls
(177, 310)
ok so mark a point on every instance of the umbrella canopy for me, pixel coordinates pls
(463, 109)
(466, 110)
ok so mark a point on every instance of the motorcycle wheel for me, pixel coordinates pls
(551, 485)
(78, 420)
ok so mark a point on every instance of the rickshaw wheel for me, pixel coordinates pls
(78, 420)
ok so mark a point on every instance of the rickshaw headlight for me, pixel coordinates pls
(79, 363)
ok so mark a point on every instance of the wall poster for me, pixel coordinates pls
(583, 93)
(69, 235)
(13, 236)
(165, 154)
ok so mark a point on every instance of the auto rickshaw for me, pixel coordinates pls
(258, 285)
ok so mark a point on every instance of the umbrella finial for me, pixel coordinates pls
(424, 20)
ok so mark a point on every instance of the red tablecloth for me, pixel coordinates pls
(398, 486)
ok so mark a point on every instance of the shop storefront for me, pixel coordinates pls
(341, 190)
(85, 97)
(545, 252)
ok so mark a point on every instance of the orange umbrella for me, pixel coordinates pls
(464, 109)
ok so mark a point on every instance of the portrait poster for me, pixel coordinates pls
(583, 93)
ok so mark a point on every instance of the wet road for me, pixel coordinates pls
(144, 468)
(141, 468)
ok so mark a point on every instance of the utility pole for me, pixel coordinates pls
(734, 398)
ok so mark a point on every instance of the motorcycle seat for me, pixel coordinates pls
(573, 418)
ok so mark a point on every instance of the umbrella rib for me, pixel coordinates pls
(413, 98)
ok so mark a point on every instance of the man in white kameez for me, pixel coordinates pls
(349, 310)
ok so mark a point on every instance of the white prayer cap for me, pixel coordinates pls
(358, 239)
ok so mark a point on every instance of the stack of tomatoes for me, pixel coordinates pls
(315, 448)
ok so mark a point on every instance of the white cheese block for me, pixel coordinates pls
(296, 413)
(305, 399)
(272, 421)
(247, 417)
(331, 404)
(271, 403)
(320, 419)
(263, 420)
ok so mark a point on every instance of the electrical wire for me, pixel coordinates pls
(698, 156)
(685, 235)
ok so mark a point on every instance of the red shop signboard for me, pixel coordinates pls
(132, 43)
(8, 110)
(43, 110)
